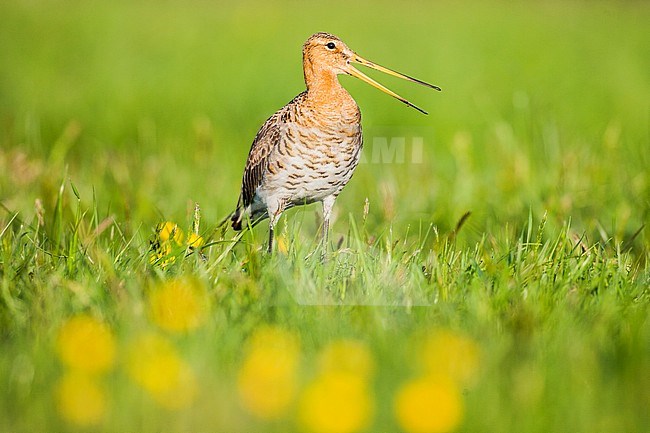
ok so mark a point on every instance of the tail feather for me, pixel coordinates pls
(236, 219)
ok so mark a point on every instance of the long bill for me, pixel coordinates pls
(360, 75)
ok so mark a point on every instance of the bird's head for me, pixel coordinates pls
(324, 53)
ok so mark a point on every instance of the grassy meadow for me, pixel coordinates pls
(489, 264)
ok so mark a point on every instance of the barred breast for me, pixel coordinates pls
(316, 154)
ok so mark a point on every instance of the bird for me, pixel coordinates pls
(307, 151)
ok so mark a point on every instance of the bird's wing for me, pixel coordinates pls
(265, 141)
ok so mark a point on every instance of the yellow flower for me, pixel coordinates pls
(168, 231)
(449, 354)
(282, 245)
(267, 380)
(80, 399)
(86, 344)
(195, 241)
(159, 252)
(178, 305)
(336, 402)
(347, 356)
(152, 363)
(429, 405)
(161, 246)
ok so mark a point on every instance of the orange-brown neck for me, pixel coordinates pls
(317, 76)
(323, 87)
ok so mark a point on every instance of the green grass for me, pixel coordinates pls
(116, 116)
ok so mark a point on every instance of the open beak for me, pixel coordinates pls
(360, 75)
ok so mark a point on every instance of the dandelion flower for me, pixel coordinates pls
(194, 241)
(347, 356)
(267, 380)
(283, 248)
(154, 364)
(178, 305)
(86, 344)
(336, 402)
(160, 254)
(429, 405)
(169, 231)
(450, 354)
(167, 234)
(79, 399)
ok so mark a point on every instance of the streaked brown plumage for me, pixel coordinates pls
(308, 150)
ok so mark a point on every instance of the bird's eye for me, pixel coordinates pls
(330, 45)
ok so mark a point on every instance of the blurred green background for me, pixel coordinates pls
(544, 104)
(542, 131)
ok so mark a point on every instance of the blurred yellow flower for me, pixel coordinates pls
(347, 356)
(429, 405)
(86, 344)
(168, 231)
(449, 354)
(282, 245)
(267, 381)
(178, 305)
(80, 399)
(153, 363)
(336, 402)
(195, 241)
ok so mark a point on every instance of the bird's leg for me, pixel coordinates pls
(274, 216)
(328, 204)
(270, 249)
